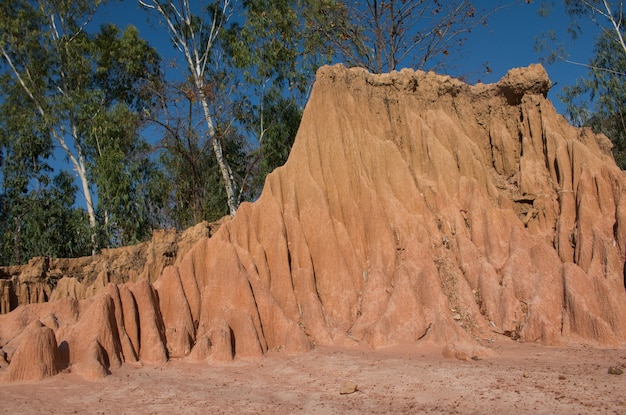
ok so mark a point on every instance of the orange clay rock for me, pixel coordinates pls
(413, 208)
(36, 355)
(410, 198)
(48, 279)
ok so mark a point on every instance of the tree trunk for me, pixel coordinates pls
(227, 174)
(81, 170)
(78, 162)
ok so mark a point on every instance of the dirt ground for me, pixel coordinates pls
(516, 379)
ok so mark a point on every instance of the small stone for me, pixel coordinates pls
(615, 371)
(526, 374)
(562, 377)
(348, 388)
(457, 316)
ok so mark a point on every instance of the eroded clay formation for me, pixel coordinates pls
(413, 208)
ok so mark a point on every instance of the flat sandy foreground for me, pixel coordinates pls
(516, 379)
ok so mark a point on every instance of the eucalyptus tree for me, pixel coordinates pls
(598, 99)
(125, 70)
(87, 94)
(250, 67)
(37, 216)
(42, 44)
(195, 37)
(271, 50)
(191, 178)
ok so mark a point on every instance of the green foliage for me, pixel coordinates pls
(279, 136)
(88, 93)
(53, 227)
(37, 213)
(599, 99)
(126, 67)
(192, 181)
(276, 60)
(121, 169)
(43, 222)
(270, 45)
(276, 141)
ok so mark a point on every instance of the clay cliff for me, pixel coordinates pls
(47, 279)
(413, 208)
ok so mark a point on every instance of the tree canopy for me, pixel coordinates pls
(82, 94)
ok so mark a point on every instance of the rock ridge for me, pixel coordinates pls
(413, 208)
(48, 279)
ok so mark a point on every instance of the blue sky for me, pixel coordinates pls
(508, 41)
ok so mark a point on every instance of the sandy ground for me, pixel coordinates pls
(517, 379)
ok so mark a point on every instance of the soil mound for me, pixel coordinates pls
(413, 208)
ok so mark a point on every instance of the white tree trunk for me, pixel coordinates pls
(81, 170)
(77, 161)
(227, 174)
(179, 21)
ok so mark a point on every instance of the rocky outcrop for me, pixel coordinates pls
(49, 279)
(413, 208)
(34, 354)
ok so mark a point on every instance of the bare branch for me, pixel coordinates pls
(595, 68)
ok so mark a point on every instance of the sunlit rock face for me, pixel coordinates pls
(413, 208)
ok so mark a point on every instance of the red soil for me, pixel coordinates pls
(518, 378)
